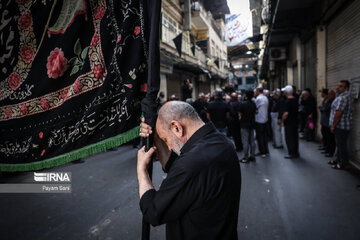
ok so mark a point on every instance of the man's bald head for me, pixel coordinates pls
(177, 122)
(179, 111)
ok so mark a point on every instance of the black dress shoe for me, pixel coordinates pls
(252, 159)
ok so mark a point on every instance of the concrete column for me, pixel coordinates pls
(163, 84)
(289, 72)
(320, 67)
(299, 57)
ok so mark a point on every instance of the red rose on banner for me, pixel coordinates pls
(64, 94)
(8, 112)
(24, 110)
(56, 64)
(118, 38)
(94, 40)
(98, 71)
(77, 86)
(41, 134)
(143, 87)
(43, 152)
(25, 21)
(14, 80)
(100, 11)
(137, 30)
(45, 104)
(27, 53)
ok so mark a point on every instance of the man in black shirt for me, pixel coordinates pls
(310, 113)
(247, 111)
(234, 123)
(218, 111)
(200, 106)
(186, 90)
(290, 121)
(199, 199)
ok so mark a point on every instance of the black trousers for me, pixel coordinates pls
(323, 135)
(328, 139)
(292, 139)
(262, 138)
(341, 137)
(235, 132)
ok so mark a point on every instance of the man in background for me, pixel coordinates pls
(234, 123)
(276, 127)
(218, 111)
(290, 121)
(340, 122)
(186, 90)
(247, 111)
(261, 119)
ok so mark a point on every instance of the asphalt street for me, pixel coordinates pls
(280, 199)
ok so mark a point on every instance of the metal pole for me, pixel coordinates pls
(145, 225)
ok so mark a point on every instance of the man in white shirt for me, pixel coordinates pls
(261, 118)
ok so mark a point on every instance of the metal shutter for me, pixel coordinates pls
(310, 65)
(343, 45)
(343, 61)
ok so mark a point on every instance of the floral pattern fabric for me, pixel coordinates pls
(65, 86)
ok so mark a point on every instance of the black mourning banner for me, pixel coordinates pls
(217, 62)
(72, 77)
(178, 43)
(193, 50)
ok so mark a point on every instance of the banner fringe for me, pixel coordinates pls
(86, 151)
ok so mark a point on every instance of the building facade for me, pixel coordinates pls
(203, 58)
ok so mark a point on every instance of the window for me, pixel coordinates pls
(169, 23)
(171, 29)
(250, 80)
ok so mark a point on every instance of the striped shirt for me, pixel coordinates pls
(343, 102)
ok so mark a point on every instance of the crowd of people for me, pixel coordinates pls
(282, 116)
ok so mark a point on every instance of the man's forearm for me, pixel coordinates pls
(337, 117)
(145, 183)
(284, 116)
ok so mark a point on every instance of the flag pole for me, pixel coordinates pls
(145, 233)
(149, 105)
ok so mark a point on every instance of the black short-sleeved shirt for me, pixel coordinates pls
(291, 106)
(199, 199)
(217, 110)
(248, 111)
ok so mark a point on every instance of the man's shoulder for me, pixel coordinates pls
(213, 148)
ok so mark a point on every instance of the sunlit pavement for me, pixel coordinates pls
(280, 199)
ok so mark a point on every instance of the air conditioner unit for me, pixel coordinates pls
(278, 53)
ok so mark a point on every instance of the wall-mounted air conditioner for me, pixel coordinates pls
(277, 53)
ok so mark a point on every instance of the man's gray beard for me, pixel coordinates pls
(177, 146)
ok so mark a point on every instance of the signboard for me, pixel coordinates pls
(238, 28)
(202, 35)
